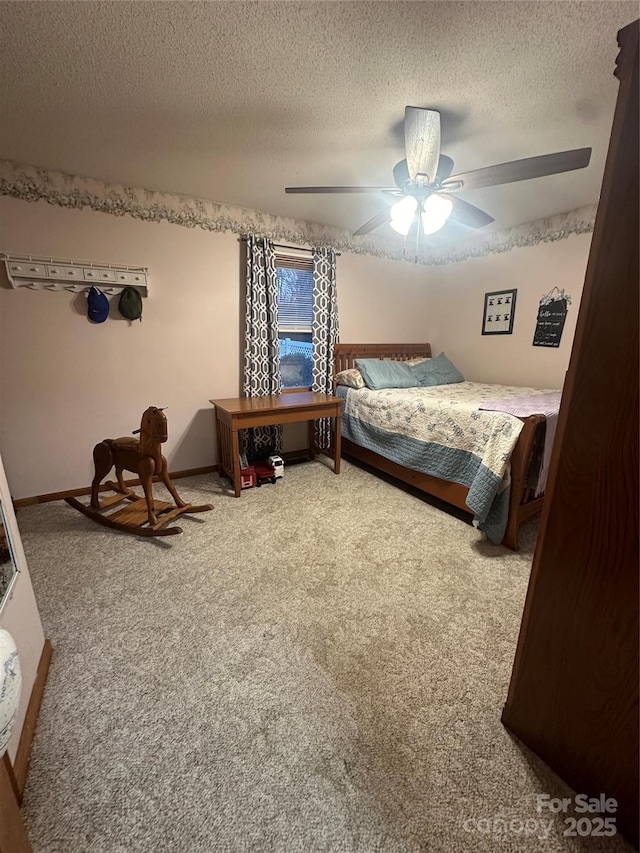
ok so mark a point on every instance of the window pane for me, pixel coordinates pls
(295, 318)
(295, 359)
(295, 298)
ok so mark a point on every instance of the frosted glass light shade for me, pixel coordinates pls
(402, 214)
(435, 212)
(438, 206)
(402, 226)
(430, 225)
(406, 207)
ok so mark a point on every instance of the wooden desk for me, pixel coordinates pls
(238, 413)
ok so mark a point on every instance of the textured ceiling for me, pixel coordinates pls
(233, 101)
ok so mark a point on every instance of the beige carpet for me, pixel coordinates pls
(318, 666)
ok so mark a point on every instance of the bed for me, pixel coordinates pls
(518, 442)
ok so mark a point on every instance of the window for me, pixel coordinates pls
(295, 318)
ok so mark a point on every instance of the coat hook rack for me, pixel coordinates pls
(39, 273)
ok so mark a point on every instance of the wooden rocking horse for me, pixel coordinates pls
(143, 516)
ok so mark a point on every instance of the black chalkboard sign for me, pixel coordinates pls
(551, 316)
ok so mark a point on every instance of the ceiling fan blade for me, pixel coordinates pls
(521, 170)
(467, 214)
(401, 173)
(422, 143)
(374, 222)
(339, 189)
(445, 167)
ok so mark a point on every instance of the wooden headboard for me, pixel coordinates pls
(344, 355)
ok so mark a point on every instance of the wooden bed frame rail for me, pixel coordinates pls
(522, 503)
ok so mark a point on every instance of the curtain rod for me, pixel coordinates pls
(295, 248)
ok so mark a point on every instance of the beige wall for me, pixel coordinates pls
(382, 301)
(456, 304)
(66, 383)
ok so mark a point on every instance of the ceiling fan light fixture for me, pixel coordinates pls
(438, 206)
(435, 212)
(403, 213)
(402, 226)
(430, 225)
(425, 178)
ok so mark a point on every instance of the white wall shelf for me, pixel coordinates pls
(38, 273)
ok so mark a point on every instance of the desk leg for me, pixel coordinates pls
(337, 440)
(219, 444)
(235, 460)
(312, 439)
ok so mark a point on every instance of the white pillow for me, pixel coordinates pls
(351, 377)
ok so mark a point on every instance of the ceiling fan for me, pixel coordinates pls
(426, 188)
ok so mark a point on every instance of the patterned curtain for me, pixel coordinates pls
(261, 354)
(325, 334)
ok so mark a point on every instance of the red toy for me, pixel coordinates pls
(248, 477)
(265, 472)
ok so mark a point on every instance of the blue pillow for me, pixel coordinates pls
(380, 374)
(436, 371)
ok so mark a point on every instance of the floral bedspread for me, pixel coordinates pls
(440, 431)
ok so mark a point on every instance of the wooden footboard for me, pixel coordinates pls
(522, 502)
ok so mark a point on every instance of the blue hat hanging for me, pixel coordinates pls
(98, 305)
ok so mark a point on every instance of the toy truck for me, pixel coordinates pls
(264, 472)
(278, 465)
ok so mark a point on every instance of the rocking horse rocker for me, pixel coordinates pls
(144, 516)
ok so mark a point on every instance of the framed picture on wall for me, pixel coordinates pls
(499, 312)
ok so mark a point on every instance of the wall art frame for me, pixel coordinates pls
(499, 312)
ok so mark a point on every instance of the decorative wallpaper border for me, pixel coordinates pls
(32, 184)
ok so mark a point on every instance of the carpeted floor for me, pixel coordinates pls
(318, 666)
